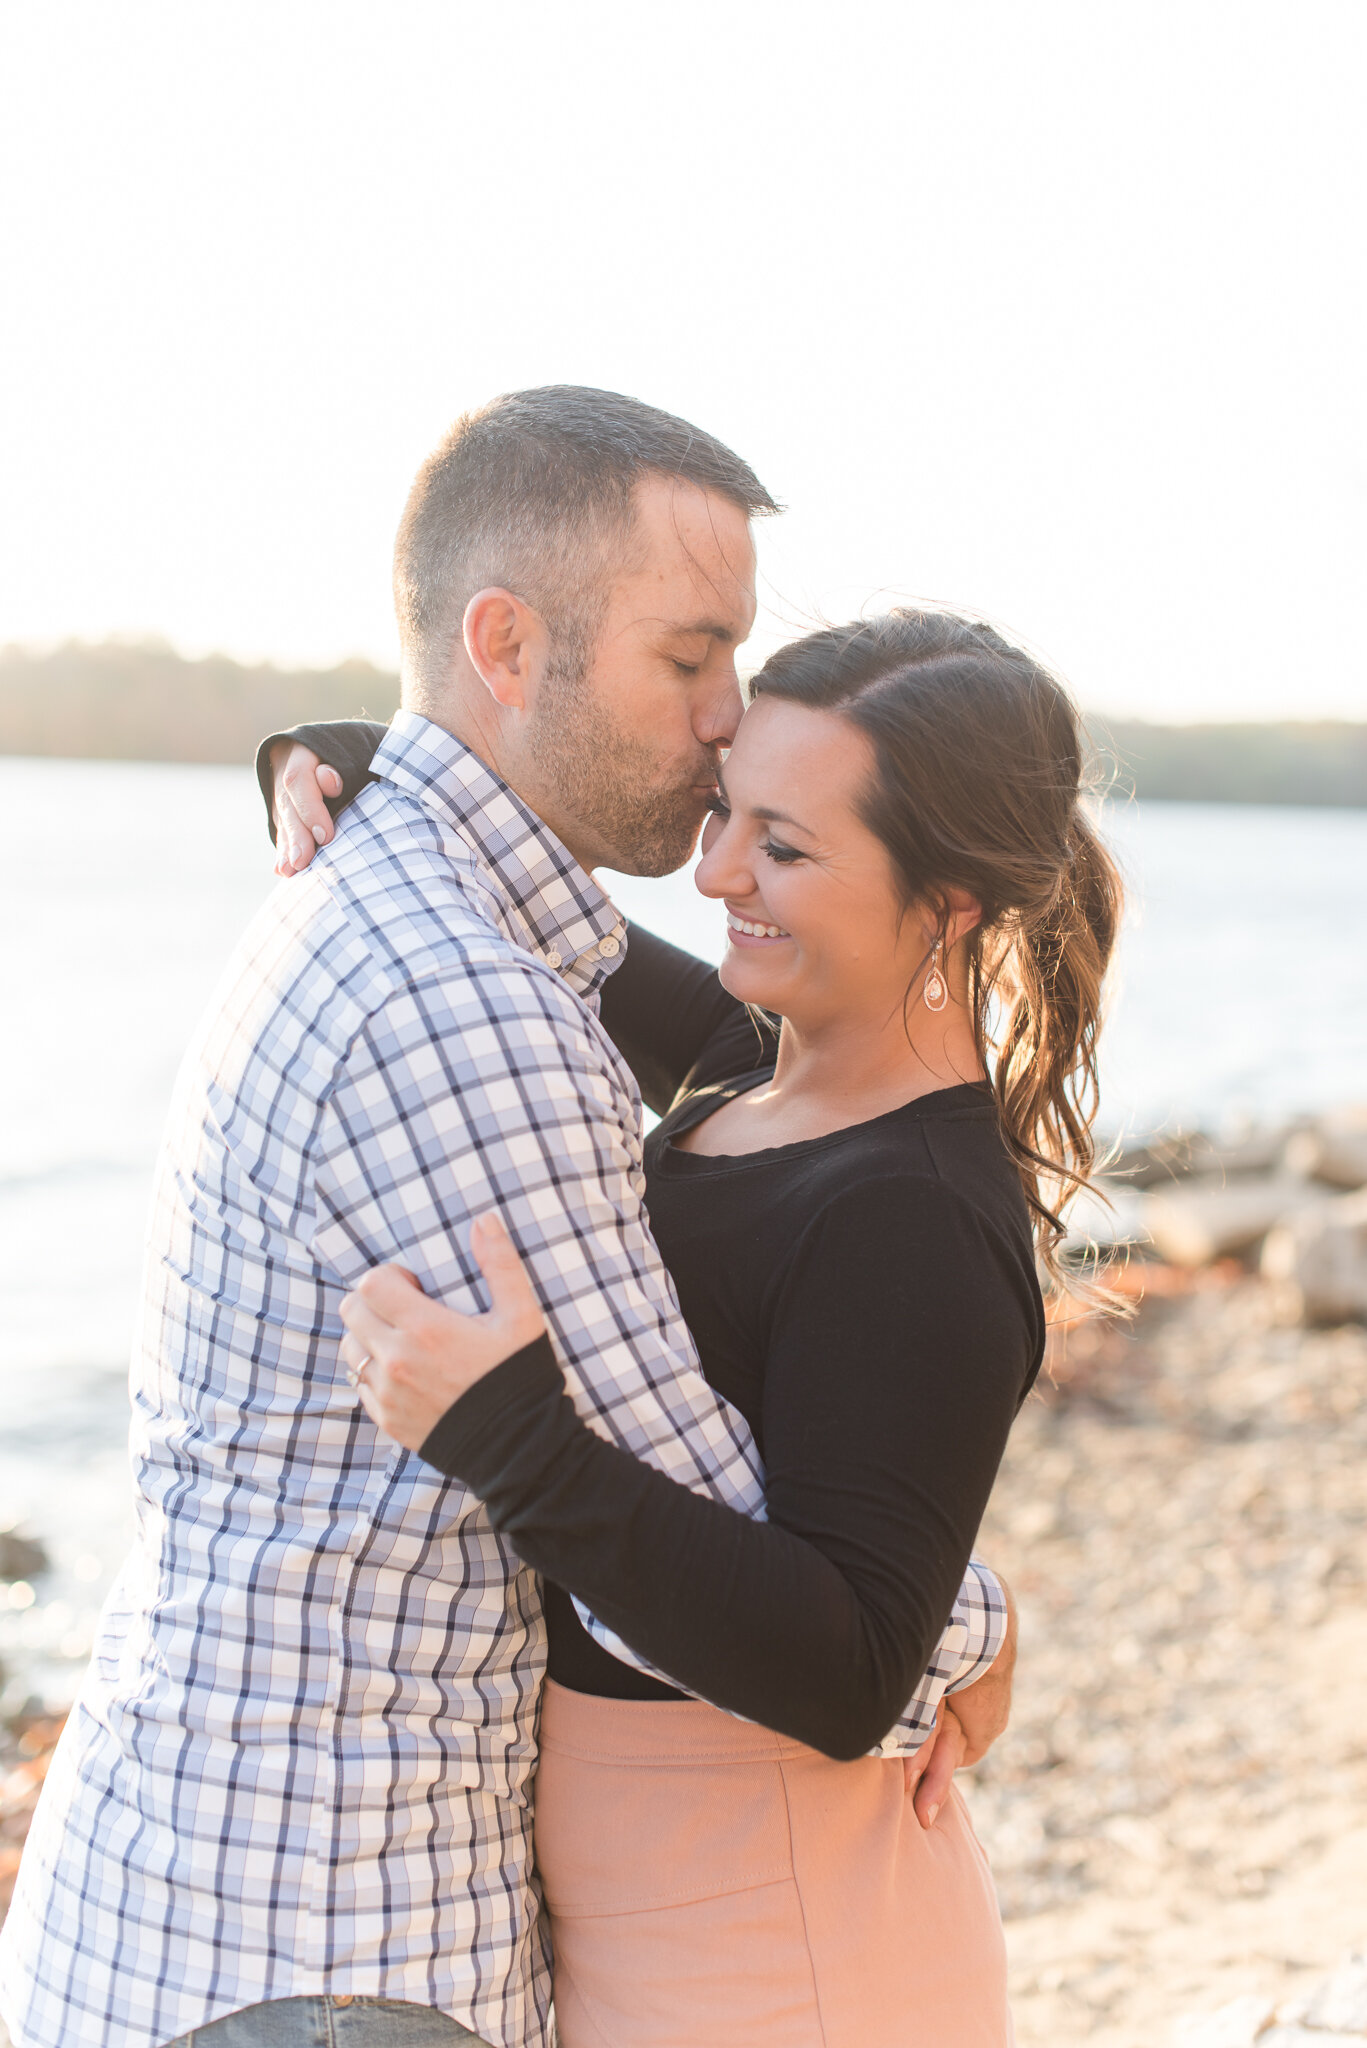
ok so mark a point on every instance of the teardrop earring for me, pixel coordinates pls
(935, 994)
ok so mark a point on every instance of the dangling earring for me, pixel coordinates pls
(935, 994)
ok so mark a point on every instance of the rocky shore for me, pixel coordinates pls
(1177, 1817)
(1293, 1199)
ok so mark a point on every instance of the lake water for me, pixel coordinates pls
(1242, 993)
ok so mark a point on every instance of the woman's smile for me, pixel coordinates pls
(752, 931)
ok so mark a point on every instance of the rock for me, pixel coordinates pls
(21, 1557)
(1336, 2012)
(1185, 1154)
(1297, 2036)
(1341, 2004)
(1333, 1150)
(1210, 1219)
(1237, 2025)
(1319, 1260)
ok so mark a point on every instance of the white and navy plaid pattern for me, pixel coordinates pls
(301, 1761)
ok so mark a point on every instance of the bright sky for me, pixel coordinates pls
(1054, 310)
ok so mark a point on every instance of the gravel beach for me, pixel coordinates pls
(1178, 1815)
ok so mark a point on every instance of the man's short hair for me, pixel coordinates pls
(530, 493)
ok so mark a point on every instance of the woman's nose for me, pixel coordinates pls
(723, 869)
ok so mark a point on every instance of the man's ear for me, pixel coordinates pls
(506, 643)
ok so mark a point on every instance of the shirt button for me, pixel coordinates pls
(609, 947)
(553, 958)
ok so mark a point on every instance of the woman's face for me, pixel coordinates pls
(813, 912)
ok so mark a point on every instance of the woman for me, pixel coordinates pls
(852, 1218)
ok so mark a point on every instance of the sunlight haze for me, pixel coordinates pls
(1055, 311)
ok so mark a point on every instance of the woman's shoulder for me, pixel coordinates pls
(900, 1246)
(940, 1164)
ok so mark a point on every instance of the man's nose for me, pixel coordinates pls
(716, 719)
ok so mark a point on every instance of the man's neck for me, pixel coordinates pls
(469, 722)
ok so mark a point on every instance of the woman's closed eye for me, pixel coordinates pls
(776, 849)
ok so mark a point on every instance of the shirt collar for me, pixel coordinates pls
(539, 885)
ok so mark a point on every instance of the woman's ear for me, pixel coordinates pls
(506, 643)
(963, 913)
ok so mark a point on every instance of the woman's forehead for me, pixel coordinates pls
(802, 762)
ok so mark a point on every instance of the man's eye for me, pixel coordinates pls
(784, 855)
(689, 668)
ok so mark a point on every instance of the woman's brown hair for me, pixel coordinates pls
(978, 785)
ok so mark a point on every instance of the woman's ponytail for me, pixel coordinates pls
(1046, 972)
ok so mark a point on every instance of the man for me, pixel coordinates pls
(292, 1804)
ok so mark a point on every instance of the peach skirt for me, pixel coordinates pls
(711, 1885)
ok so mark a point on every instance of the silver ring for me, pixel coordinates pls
(355, 1374)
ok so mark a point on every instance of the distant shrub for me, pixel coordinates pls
(144, 702)
(1236, 764)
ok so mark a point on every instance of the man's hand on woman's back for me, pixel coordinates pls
(968, 1724)
(302, 820)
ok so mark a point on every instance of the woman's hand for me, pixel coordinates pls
(412, 1358)
(303, 821)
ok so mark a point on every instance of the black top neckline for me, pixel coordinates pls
(965, 1097)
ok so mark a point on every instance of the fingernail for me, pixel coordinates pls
(319, 834)
(931, 1812)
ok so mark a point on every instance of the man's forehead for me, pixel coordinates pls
(696, 569)
(680, 526)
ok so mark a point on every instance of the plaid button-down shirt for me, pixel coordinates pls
(302, 1759)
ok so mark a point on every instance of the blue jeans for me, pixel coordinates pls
(331, 2023)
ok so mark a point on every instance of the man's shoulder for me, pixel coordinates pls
(405, 886)
(396, 915)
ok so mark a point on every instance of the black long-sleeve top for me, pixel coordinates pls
(867, 1300)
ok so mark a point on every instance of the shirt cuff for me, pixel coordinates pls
(473, 1438)
(981, 1607)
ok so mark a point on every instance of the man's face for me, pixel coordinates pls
(626, 752)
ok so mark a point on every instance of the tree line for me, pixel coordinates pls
(144, 702)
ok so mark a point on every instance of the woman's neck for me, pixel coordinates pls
(841, 1072)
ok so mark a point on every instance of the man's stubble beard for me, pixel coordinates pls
(609, 782)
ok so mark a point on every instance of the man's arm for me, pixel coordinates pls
(489, 1087)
